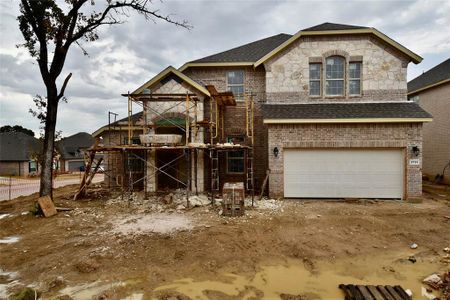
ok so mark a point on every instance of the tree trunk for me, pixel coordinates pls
(46, 187)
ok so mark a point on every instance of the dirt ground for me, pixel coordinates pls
(289, 249)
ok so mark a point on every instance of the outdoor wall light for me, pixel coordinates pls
(415, 150)
(275, 152)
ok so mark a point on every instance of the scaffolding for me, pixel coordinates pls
(138, 159)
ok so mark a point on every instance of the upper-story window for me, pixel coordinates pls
(354, 78)
(235, 84)
(314, 79)
(335, 74)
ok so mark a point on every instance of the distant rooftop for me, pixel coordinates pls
(17, 146)
(437, 74)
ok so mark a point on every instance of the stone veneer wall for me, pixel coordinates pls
(379, 135)
(383, 69)
(254, 82)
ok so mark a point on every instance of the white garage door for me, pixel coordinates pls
(343, 173)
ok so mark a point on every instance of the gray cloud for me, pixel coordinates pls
(128, 55)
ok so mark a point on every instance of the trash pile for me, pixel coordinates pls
(438, 282)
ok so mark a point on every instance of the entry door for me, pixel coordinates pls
(343, 173)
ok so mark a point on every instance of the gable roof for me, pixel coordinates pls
(339, 29)
(120, 124)
(345, 113)
(435, 76)
(256, 53)
(17, 146)
(69, 147)
(245, 54)
(166, 72)
(333, 26)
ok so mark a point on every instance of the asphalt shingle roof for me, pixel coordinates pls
(69, 147)
(17, 146)
(134, 119)
(432, 76)
(344, 111)
(333, 26)
(250, 52)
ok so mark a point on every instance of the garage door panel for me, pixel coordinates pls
(343, 173)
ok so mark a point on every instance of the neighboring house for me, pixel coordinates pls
(71, 151)
(18, 153)
(431, 91)
(331, 116)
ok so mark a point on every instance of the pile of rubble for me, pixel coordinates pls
(175, 200)
(438, 282)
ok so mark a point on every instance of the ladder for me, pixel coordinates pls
(249, 165)
(215, 170)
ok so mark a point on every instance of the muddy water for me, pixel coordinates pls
(316, 280)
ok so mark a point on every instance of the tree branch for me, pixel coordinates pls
(139, 6)
(63, 88)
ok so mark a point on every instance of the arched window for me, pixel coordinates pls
(334, 75)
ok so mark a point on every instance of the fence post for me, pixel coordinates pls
(10, 183)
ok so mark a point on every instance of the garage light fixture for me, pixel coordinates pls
(275, 152)
(415, 150)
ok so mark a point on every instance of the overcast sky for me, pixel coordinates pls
(128, 55)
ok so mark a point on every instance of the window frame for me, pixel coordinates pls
(30, 169)
(355, 78)
(343, 79)
(319, 64)
(228, 139)
(238, 98)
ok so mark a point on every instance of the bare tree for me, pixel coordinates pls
(52, 27)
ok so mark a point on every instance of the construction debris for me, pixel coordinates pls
(369, 292)
(47, 206)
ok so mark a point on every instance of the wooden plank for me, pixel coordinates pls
(375, 293)
(355, 292)
(47, 206)
(402, 292)
(347, 292)
(64, 208)
(364, 292)
(263, 187)
(393, 292)
(212, 90)
(385, 293)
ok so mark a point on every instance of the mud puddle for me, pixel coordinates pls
(314, 280)
(89, 290)
(9, 240)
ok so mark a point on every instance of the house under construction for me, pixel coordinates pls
(177, 140)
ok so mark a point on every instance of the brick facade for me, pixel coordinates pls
(284, 78)
(436, 135)
(402, 136)
(254, 83)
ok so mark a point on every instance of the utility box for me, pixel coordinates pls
(233, 195)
